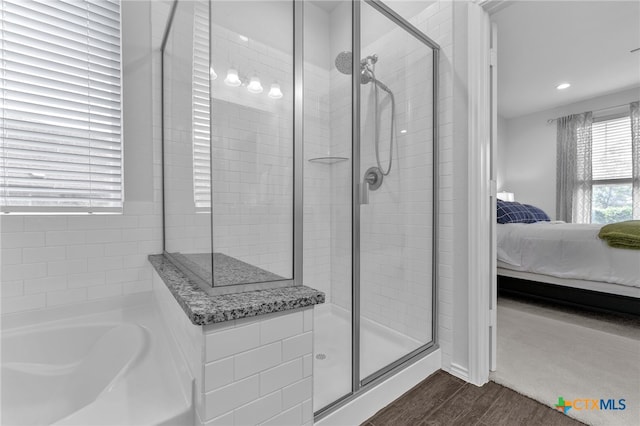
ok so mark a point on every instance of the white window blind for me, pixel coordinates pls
(60, 117)
(201, 130)
(611, 145)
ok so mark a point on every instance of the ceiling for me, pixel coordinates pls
(585, 43)
(405, 8)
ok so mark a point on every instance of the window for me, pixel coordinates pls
(612, 184)
(60, 106)
(201, 109)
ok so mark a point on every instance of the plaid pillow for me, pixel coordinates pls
(538, 214)
(513, 212)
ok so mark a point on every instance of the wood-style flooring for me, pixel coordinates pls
(442, 399)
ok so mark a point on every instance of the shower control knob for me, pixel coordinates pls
(373, 177)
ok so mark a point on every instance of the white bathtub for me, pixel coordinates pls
(110, 368)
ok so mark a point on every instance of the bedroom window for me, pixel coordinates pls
(60, 107)
(612, 183)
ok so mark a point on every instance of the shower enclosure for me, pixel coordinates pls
(300, 147)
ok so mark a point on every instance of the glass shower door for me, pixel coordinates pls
(396, 193)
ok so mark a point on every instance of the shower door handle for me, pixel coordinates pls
(364, 192)
(371, 181)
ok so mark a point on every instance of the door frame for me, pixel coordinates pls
(481, 192)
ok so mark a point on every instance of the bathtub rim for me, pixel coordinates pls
(19, 320)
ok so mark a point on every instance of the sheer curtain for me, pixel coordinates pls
(573, 195)
(635, 148)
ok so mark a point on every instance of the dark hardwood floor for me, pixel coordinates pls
(442, 399)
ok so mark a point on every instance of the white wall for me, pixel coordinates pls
(501, 151)
(529, 150)
(57, 260)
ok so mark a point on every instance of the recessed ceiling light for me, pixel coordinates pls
(563, 86)
(403, 131)
(243, 38)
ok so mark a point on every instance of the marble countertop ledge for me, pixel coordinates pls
(203, 309)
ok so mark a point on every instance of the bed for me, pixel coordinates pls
(567, 262)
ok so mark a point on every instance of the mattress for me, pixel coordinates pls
(565, 250)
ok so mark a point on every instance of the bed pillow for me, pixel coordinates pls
(538, 214)
(513, 212)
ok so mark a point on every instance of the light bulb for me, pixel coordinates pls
(254, 85)
(232, 78)
(212, 74)
(275, 92)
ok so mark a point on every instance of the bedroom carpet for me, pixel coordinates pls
(546, 353)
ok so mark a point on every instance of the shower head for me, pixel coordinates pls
(344, 62)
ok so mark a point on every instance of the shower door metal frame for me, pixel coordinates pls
(297, 161)
(360, 385)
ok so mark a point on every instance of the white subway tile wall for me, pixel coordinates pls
(437, 23)
(57, 260)
(248, 371)
(258, 370)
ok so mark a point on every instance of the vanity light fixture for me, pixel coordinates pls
(232, 78)
(563, 86)
(254, 85)
(275, 92)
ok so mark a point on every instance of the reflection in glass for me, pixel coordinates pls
(228, 145)
(186, 144)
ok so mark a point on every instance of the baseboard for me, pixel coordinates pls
(459, 371)
(375, 399)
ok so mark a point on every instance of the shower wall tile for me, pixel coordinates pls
(317, 178)
(438, 24)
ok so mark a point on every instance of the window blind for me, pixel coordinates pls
(60, 117)
(201, 130)
(611, 145)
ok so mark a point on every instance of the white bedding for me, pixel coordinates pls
(566, 250)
